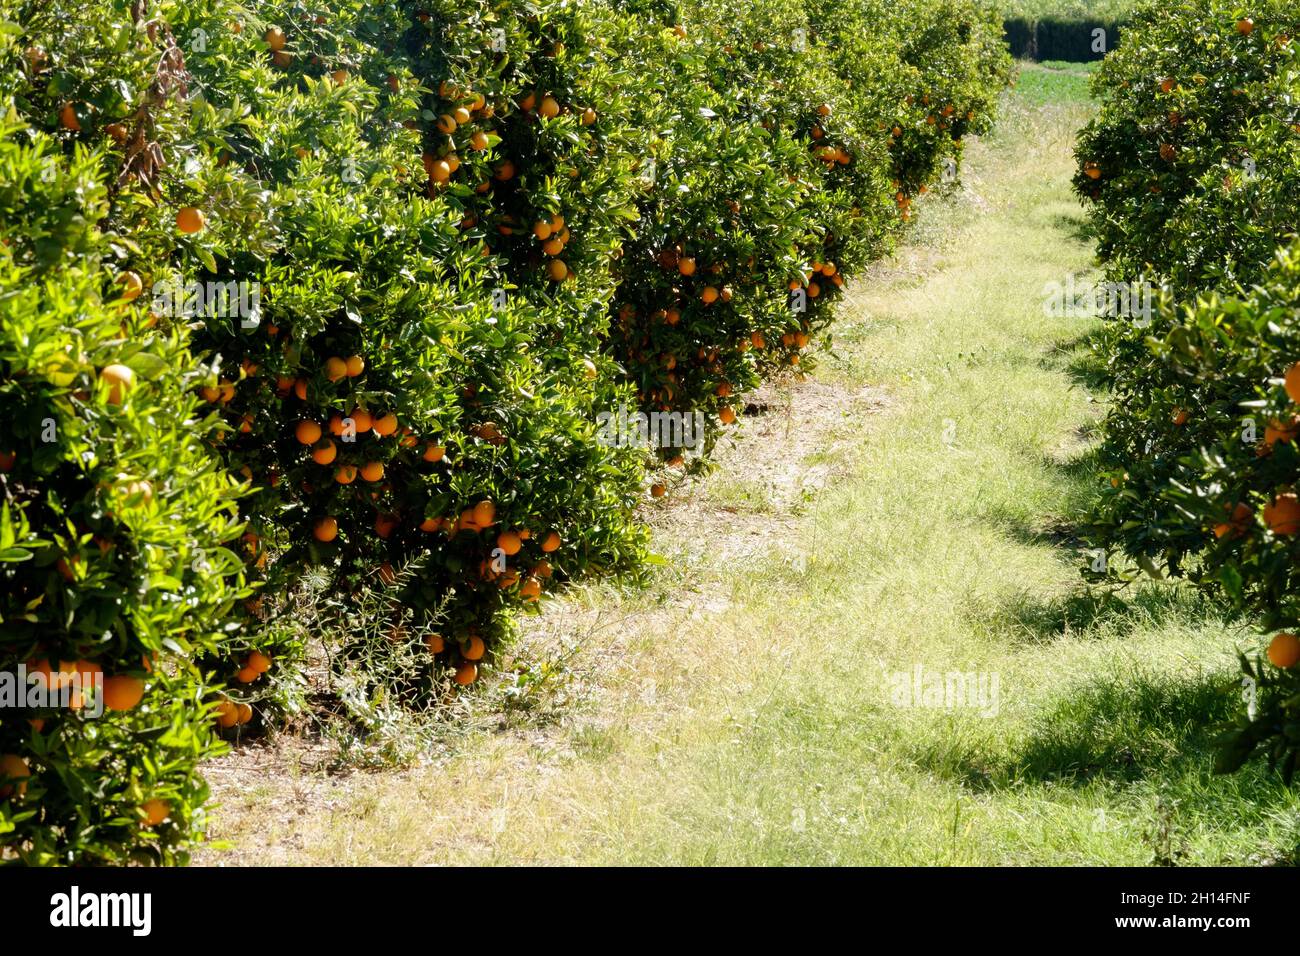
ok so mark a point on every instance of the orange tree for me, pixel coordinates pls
(1233, 501)
(112, 513)
(400, 400)
(1189, 173)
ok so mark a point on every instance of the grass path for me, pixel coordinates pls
(751, 714)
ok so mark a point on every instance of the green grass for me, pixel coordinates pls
(1068, 9)
(749, 714)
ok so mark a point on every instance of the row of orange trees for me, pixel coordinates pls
(339, 290)
(1191, 172)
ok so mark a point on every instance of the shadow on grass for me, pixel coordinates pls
(1080, 358)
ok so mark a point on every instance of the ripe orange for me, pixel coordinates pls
(361, 420)
(542, 230)
(509, 542)
(345, 474)
(466, 674)
(384, 425)
(505, 171)
(446, 124)
(588, 116)
(190, 220)
(485, 513)
(557, 270)
(324, 452)
(686, 265)
(307, 432)
(372, 471)
(430, 524)
(246, 675)
(1284, 650)
(131, 285)
(120, 380)
(461, 115)
(727, 415)
(155, 811)
(434, 452)
(709, 295)
(335, 368)
(122, 692)
(300, 389)
(227, 713)
(1180, 416)
(259, 662)
(326, 529)
(1282, 514)
(440, 171)
(15, 768)
(479, 141)
(1293, 383)
(473, 650)
(244, 713)
(531, 589)
(1245, 26)
(553, 247)
(274, 38)
(550, 108)
(436, 644)
(551, 542)
(657, 490)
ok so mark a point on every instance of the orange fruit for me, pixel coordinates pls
(246, 675)
(446, 124)
(1284, 650)
(551, 542)
(509, 542)
(1292, 381)
(227, 713)
(505, 171)
(243, 713)
(68, 118)
(466, 674)
(326, 529)
(436, 644)
(588, 116)
(1282, 514)
(484, 513)
(430, 524)
(657, 490)
(259, 662)
(557, 270)
(131, 284)
(15, 768)
(433, 452)
(300, 388)
(122, 692)
(1180, 416)
(553, 247)
(274, 38)
(1245, 26)
(727, 414)
(372, 471)
(384, 424)
(473, 651)
(324, 453)
(155, 811)
(440, 171)
(550, 107)
(120, 380)
(361, 420)
(190, 220)
(345, 474)
(528, 102)
(335, 368)
(460, 115)
(686, 265)
(307, 432)
(479, 141)
(709, 295)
